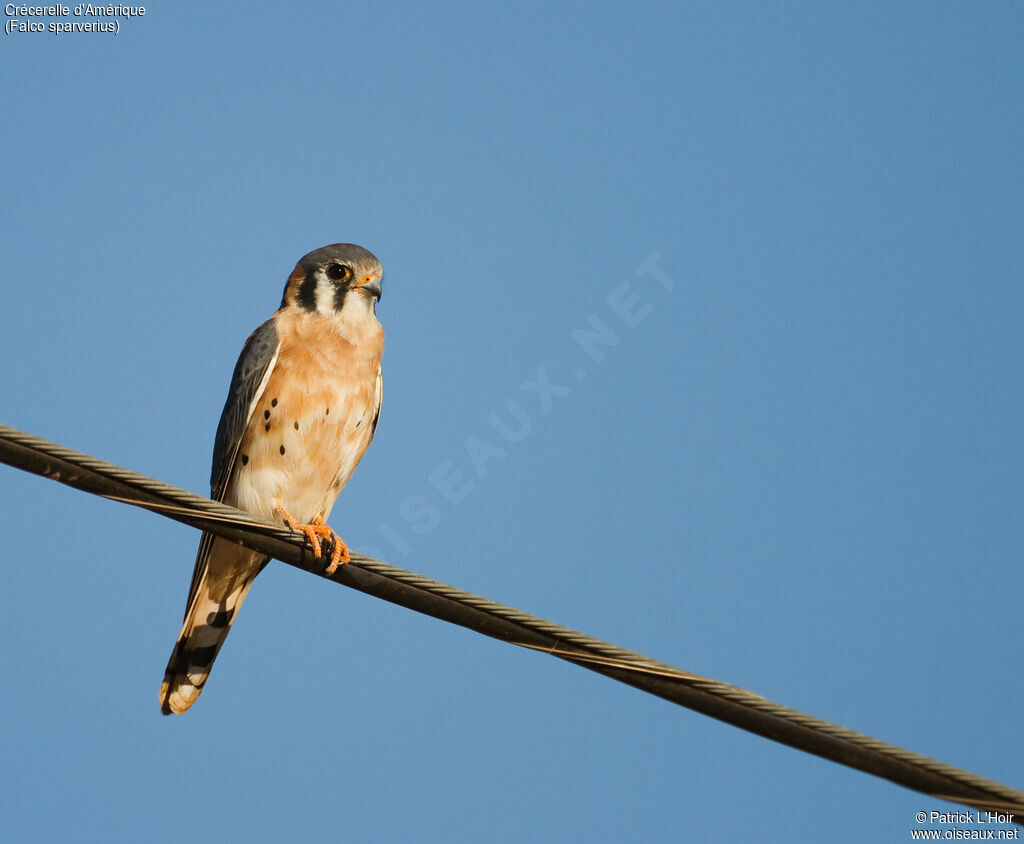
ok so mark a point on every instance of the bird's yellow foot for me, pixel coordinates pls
(314, 531)
(339, 550)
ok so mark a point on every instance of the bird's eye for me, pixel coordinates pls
(338, 272)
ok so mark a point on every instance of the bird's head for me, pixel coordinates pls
(335, 279)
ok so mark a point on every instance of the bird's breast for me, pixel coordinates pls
(310, 427)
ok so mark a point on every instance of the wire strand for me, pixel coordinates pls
(719, 700)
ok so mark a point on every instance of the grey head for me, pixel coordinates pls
(325, 278)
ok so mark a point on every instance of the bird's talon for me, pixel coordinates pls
(339, 555)
(316, 529)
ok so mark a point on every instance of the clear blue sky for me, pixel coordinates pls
(801, 471)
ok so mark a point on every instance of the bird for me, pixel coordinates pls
(301, 411)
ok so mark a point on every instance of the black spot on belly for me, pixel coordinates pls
(327, 411)
(360, 422)
(245, 459)
(266, 414)
(266, 427)
(273, 402)
(296, 426)
(282, 449)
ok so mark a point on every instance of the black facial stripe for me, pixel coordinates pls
(307, 291)
(340, 290)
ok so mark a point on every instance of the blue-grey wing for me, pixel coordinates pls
(247, 385)
(255, 363)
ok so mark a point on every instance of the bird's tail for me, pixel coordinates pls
(209, 618)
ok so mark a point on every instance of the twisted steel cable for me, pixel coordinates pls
(719, 700)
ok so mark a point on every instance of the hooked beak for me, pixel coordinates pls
(371, 284)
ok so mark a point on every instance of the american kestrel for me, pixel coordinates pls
(301, 411)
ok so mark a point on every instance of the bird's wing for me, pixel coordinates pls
(378, 394)
(252, 372)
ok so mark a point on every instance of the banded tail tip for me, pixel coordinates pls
(177, 695)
